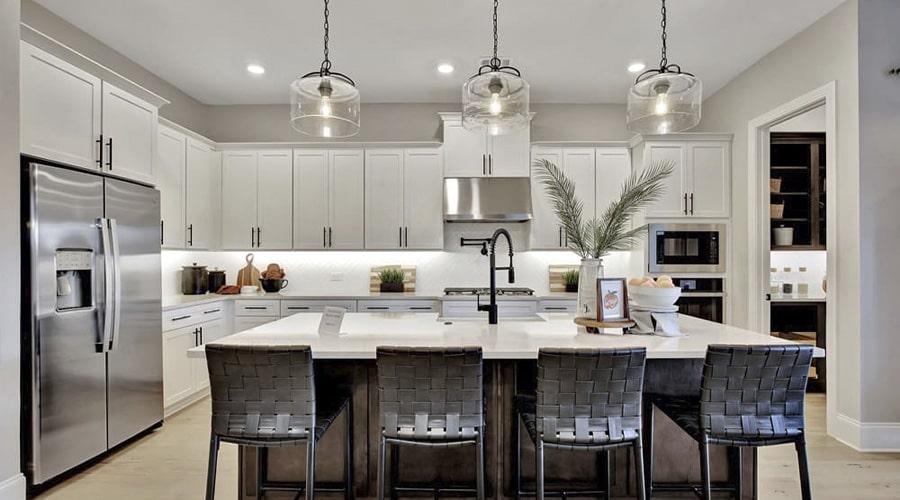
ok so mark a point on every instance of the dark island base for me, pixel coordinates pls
(676, 456)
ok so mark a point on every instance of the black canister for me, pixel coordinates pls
(194, 279)
(216, 280)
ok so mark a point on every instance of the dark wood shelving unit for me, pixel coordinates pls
(798, 160)
(802, 322)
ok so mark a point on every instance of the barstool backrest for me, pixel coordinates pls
(261, 392)
(589, 396)
(430, 393)
(755, 391)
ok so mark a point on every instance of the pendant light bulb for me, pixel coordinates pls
(496, 108)
(325, 91)
(662, 99)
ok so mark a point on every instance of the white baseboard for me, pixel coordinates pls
(13, 488)
(869, 437)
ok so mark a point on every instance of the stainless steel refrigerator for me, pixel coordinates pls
(92, 345)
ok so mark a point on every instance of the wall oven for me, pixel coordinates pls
(686, 248)
(702, 297)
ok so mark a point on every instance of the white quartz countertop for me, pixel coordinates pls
(511, 339)
(176, 301)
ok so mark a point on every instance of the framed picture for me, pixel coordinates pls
(612, 299)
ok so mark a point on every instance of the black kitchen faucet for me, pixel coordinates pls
(491, 308)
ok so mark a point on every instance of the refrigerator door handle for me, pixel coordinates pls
(117, 284)
(108, 258)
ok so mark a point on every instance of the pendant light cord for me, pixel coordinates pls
(495, 61)
(326, 64)
(664, 61)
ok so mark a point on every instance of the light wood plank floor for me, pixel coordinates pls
(171, 464)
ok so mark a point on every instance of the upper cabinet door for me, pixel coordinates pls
(673, 202)
(579, 168)
(509, 154)
(465, 153)
(274, 200)
(613, 167)
(346, 182)
(60, 110)
(423, 199)
(170, 181)
(710, 179)
(129, 134)
(384, 199)
(310, 199)
(239, 200)
(545, 229)
(198, 212)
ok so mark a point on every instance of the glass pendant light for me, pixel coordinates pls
(496, 98)
(325, 103)
(664, 100)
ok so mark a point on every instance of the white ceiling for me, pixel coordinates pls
(570, 51)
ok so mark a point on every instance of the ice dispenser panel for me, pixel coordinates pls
(74, 277)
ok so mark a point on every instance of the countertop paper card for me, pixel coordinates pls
(666, 324)
(332, 317)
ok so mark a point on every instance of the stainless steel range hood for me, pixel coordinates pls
(487, 199)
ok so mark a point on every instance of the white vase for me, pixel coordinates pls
(590, 270)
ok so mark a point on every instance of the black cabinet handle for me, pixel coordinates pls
(298, 308)
(196, 334)
(162, 232)
(692, 203)
(255, 308)
(329, 237)
(252, 238)
(491, 164)
(685, 203)
(377, 308)
(109, 162)
(406, 235)
(421, 308)
(400, 236)
(483, 164)
(100, 151)
(258, 233)
(181, 317)
(190, 235)
(556, 308)
(201, 335)
(211, 311)
(324, 230)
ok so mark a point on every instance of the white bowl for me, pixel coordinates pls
(654, 297)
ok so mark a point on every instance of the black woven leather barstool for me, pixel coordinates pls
(586, 399)
(749, 396)
(266, 397)
(430, 397)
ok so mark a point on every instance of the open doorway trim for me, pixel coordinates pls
(758, 229)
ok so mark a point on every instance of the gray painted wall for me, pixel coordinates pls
(10, 487)
(182, 108)
(824, 52)
(879, 200)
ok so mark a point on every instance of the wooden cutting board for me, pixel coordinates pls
(248, 275)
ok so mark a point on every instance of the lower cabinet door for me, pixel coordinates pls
(210, 331)
(178, 369)
(242, 323)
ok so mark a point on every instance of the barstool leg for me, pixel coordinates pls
(311, 466)
(704, 469)
(479, 464)
(349, 494)
(738, 473)
(639, 479)
(211, 470)
(539, 468)
(803, 463)
(381, 459)
(607, 474)
(647, 433)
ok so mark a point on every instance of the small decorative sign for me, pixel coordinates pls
(612, 299)
(332, 317)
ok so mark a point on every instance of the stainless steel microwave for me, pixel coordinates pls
(686, 248)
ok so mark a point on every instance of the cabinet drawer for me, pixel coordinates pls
(289, 307)
(257, 308)
(398, 305)
(191, 315)
(560, 306)
(505, 308)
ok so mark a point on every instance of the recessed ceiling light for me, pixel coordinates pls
(445, 68)
(635, 67)
(255, 69)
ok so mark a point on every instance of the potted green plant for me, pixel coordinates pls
(391, 280)
(594, 238)
(570, 277)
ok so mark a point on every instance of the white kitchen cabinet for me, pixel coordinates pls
(178, 372)
(186, 379)
(403, 199)
(399, 305)
(170, 177)
(257, 198)
(701, 183)
(613, 166)
(329, 192)
(73, 117)
(242, 323)
(208, 331)
(198, 195)
(480, 154)
(580, 165)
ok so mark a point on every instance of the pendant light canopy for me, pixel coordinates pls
(496, 98)
(664, 100)
(325, 103)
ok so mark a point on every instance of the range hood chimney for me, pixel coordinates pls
(487, 199)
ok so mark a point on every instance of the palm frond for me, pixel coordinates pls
(612, 230)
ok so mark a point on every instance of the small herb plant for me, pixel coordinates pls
(391, 276)
(571, 277)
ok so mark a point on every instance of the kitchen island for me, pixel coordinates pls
(510, 350)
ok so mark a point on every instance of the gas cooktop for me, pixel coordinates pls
(487, 291)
